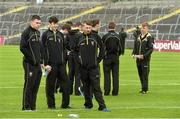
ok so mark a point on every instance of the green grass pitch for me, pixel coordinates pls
(163, 100)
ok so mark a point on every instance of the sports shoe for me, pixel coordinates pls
(143, 92)
(86, 107)
(27, 110)
(106, 110)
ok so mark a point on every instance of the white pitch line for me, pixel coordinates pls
(82, 109)
(168, 84)
(93, 118)
(8, 87)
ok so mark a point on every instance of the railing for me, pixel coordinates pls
(122, 18)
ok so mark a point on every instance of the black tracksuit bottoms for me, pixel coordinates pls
(143, 71)
(74, 72)
(111, 64)
(91, 83)
(57, 74)
(32, 80)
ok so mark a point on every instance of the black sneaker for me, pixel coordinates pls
(88, 107)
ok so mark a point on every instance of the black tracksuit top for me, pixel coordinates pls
(30, 46)
(144, 46)
(113, 44)
(87, 46)
(73, 34)
(54, 47)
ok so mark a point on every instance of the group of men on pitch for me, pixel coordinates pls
(81, 46)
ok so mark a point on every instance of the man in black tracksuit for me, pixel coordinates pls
(65, 29)
(143, 48)
(113, 49)
(53, 42)
(30, 46)
(87, 45)
(74, 67)
(123, 36)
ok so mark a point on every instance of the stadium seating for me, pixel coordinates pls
(124, 14)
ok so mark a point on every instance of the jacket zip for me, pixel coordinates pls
(145, 36)
(80, 58)
(140, 46)
(54, 35)
(86, 39)
(95, 57)
(36, 36)
(47, 51)
(40, 46)
(55, 38)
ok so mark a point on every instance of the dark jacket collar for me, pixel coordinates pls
(111, 31)
(32, 28)
(93, 31)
